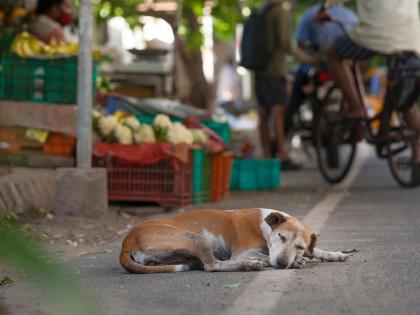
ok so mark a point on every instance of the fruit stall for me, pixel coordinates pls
(37, 102)
(154, 150)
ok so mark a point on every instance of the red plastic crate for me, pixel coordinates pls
(227, 173)
(160, 182)
(221, 169)
(60, 144)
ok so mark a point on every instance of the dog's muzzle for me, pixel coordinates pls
(281, 264)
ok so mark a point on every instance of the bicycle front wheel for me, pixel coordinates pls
(401, 149)
(335, 143)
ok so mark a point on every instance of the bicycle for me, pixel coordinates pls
(319, 89)
(336, 138)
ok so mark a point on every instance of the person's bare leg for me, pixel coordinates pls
(265, 131)
(343, 77)
(412, 118)
(278, 117)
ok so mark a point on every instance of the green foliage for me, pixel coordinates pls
(22, 253)
(226, 15)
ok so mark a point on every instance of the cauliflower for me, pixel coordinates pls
(179, 134)
(199, 136)
(107, 125)
(96, 114)
(144, 134)
(132, 123)
(123, 134)
(162, 121)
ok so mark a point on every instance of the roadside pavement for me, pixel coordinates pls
(369, 213)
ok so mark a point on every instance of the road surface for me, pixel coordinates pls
(369, 213)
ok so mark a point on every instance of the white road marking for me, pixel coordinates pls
(263, 293)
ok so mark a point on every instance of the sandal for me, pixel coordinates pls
(290, 165)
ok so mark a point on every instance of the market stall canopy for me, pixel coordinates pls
(154, 106)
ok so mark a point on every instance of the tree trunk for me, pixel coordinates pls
(197, 92)
(201, 92)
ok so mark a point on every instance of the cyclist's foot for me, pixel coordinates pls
(290, 165)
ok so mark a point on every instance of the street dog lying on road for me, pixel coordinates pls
(214, 240)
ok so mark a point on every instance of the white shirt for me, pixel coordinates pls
(387, 26)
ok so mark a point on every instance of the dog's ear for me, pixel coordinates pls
(274, 219)
(312, 243)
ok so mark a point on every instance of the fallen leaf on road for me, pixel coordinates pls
(72, 243)
(350, 251)
(107, 251)
(42, 211)
(232, 286)
(6, 280)
(12, 216)
(125, 215)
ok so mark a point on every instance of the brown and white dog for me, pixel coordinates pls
(214, 240)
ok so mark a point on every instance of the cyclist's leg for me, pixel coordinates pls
(343, 77)
(337, 55)
(412, 118)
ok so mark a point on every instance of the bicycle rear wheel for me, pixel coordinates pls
(401, 149)
(335, 142)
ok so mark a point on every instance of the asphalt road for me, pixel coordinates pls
(371, 214)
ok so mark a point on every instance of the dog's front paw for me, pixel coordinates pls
(253, 265)
(298, 263)
(342, 257)
(335, 257)
(264, 260)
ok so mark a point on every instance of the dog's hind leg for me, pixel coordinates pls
(327, 256)
(205, 253)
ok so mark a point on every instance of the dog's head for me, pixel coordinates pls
(288, 238)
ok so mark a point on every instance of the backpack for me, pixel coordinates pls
(255, 53)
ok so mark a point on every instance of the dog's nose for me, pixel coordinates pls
(281, 264)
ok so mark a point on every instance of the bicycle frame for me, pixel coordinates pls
(384, 117)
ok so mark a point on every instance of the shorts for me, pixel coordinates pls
(270, 90)
(348, 49)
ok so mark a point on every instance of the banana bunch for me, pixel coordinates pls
(26, 45)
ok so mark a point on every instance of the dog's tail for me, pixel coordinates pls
(131, 266)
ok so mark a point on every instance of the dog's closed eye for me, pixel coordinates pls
(282, 237)
(300, 247)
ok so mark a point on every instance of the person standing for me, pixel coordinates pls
(270, 82)
(52, 15)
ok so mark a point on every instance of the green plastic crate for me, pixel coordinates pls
(201, 176)
(222, 129)
(256, 174)
(50, 80)
(1, 82)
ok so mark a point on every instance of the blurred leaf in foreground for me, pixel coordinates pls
(5, 280)
(21, 253)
